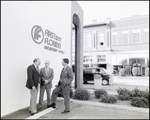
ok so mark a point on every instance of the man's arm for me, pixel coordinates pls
(70, 76)
(50, 79)
(30, 76)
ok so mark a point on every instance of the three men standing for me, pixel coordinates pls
(45, 77)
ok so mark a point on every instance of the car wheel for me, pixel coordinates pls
(104, 82)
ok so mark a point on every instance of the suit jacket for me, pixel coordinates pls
(66, 76)
(32, 77)
(49, 76)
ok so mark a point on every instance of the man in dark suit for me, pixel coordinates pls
(47, 75)
(64, 85)
(33, 77)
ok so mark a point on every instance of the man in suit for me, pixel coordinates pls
(32, 83)
(47, 75)
(64, 85)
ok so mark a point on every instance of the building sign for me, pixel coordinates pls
(51, 41)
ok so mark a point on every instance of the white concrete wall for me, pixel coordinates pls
(18, 48)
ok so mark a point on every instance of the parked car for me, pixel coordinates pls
(88, 75)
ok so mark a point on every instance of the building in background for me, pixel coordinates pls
(117, 44)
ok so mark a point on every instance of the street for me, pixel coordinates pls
(130, 83)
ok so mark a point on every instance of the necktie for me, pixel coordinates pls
(46, 71)
(38, 70)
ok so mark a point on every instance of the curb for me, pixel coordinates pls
(38, 115)
(121, 107)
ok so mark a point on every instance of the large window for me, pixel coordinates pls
(114, 38)
(101, 38)
(100, 41)
(136, 36)
(146, 35)
(125, 37)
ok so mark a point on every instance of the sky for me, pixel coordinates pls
(116, 10)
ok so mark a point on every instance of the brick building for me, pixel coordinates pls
(116, 44)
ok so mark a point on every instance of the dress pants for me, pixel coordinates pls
(42, 90)
(66, 93)
(33, 100)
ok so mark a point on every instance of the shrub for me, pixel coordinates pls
(122, 72)
(81, 94)
(139, 102)
(99, 93)
(108, 99)
(135, 71)
(124, 94)
(147, 71)
(138, 93)
(60, 94)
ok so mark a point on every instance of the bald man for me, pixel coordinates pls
(47, 75)
(33, 76)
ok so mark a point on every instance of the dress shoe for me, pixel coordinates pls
(52, 105)
(65, 111)
(33, 113)
(39, 108)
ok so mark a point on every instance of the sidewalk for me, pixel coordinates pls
(83, 109)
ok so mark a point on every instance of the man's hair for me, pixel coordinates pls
(35, 60)
(47, 61)
(66, 60)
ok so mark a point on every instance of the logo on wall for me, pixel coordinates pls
(52, 42)
(37, 34)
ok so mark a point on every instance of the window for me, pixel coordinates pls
(85, 58)
(136, 36)
(100, 41)
(101, 38)
(125, 37)
(101, 58)
(114, 38)
(146, 35)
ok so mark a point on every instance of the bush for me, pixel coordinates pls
(135, 71)
(124, 94)
(147, 71)
(60, 94)
(139, 102)
(108, 99)
(138, 93)
(81, 94)
(122, 72)
(99, 93)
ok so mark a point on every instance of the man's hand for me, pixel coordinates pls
(46, 81)
(33, 88)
